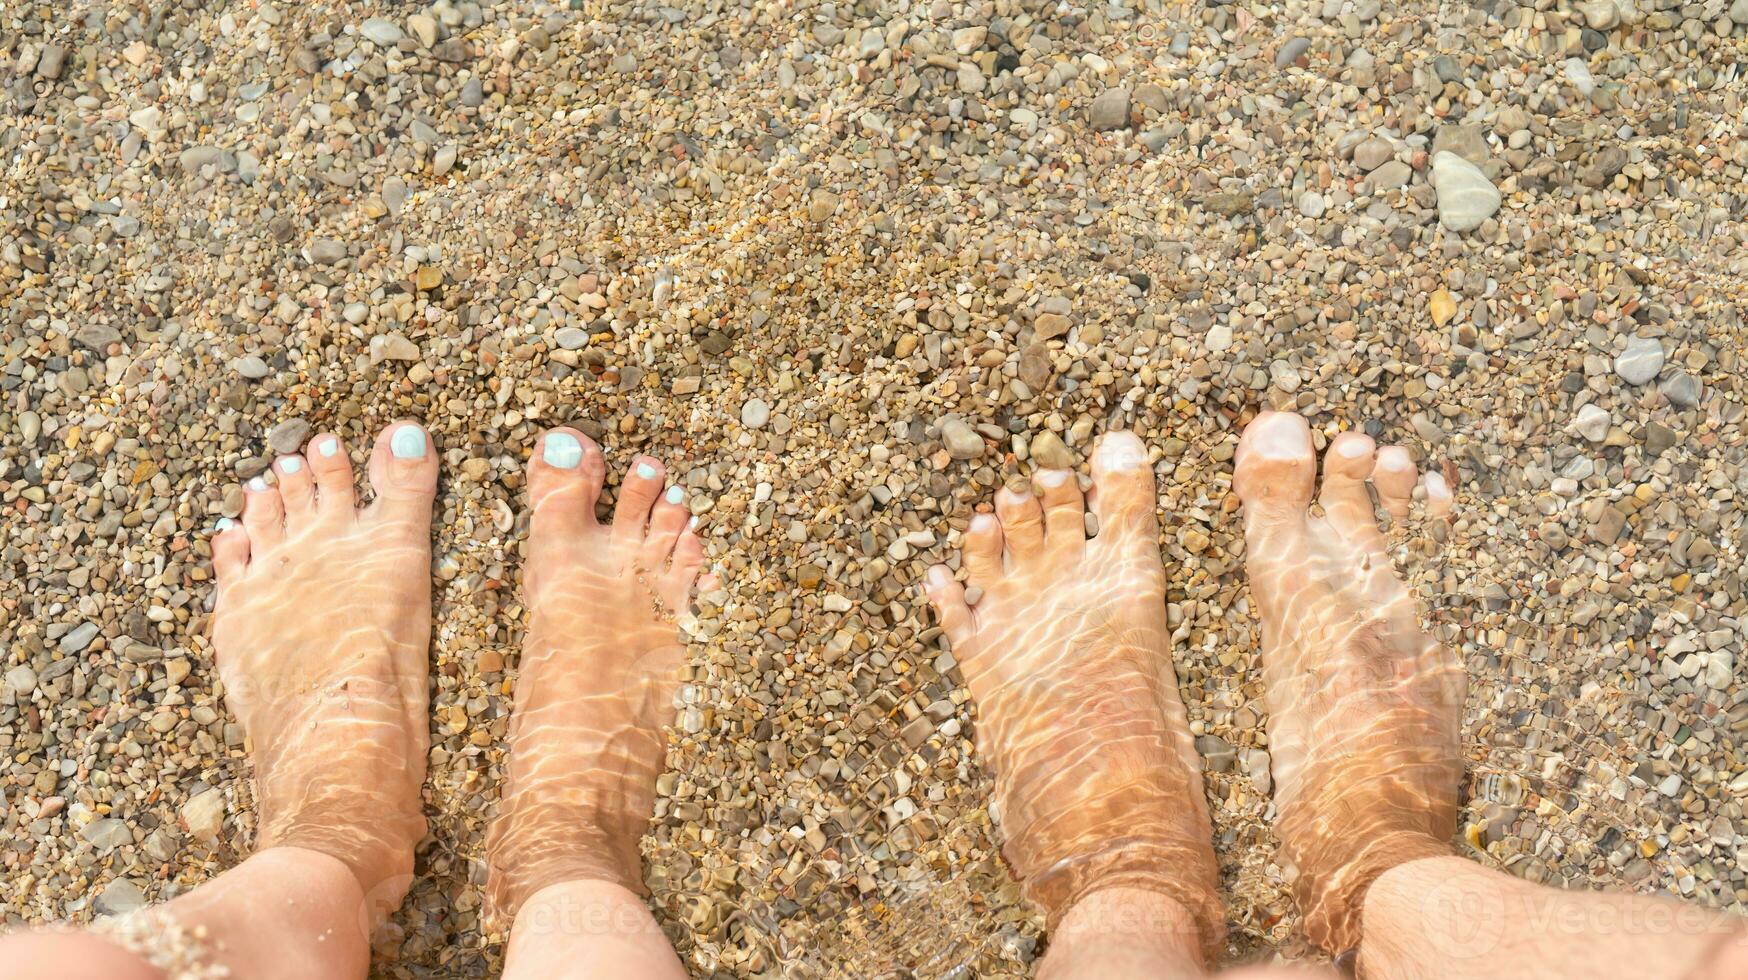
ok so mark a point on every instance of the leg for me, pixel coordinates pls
(320, 632)
(599, 671)
(1068, 657)
(1365, 729)
(1484, 923)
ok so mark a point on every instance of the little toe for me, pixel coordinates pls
(982, 551)
(297, 489)
(666, 521)
(1346, 500)
(1275, 467)
(230, 551)
(564, 481)
(637, 494)
(403, 474)
(1438, 494)
(1395, 477)
(1064, 513)
(1022, 524)
(263, 514)
(948, 597)
(331, 471)
(1122, 491)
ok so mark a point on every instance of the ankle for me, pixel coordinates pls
(1332, 898)
(1179, 873)
(1125, 931)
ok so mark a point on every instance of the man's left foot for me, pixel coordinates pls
(1068, 656)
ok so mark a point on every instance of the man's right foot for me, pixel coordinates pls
(1068, 656)
(1365, 709)
(599, 670)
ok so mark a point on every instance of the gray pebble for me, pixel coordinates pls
(119, 897)
(381, 31)
(288, 436)
(961, 440)
(1110, 110)
(1640, 361)
(1683, 390)
(78, 638)
(1291, 51)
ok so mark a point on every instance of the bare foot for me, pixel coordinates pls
(1069, 660)
(599, 670)
(1365, 709)
(322, 626)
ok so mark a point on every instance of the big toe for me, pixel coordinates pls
(403, 473)
(564, 481)
(1276, 467)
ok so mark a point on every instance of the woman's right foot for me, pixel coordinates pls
(1365, 709)
(600, 666)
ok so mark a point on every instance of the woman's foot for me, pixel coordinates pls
(599, 670)
(321, 628)
(1068, 657)
(1365, 709)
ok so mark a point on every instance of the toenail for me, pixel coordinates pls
(1353, 447)
(676, 494)
(1125, 454)
(692, 525)
(408, 442)
(646, 471)
(224, 524)
(983, 522)
(290, 464)
(562, 450)
(1052, 478)
(328, 447)
(257, 484)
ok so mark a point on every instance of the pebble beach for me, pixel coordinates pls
(848, 268)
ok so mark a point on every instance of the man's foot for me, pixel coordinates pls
(321, 628)
(1068, 657)
(599, 670)
(1365, 709)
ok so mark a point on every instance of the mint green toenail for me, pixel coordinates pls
(675, 495)
(224, 524)
(646, 471)
(291, 464)
(408, 442)
(328, 447)
(562, 450)
(257, 484)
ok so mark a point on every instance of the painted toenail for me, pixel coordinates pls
(1052, 478)
(408, 442)
(646, 471)
(676, 494)
(562, 450)
(1436, 486)
(224, 524)
(692, 525)
(983, 522)
(328, 447)
(257, 484)
(1354, 447)
(290, 464)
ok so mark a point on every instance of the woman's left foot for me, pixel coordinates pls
(321, 630)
